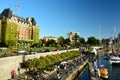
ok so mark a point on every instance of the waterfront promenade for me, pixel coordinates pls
(7, 64)
(60, 72)
(66, 70)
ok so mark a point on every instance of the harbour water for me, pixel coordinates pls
(85, 75)
(114, 71)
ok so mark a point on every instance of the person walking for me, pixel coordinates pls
(18, 70)
(12, 74)
(58, 76)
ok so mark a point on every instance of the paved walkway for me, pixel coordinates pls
(63, 73)
(60, 72)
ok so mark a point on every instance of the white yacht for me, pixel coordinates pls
(114, 60)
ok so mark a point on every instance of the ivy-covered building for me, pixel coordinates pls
(16, 30)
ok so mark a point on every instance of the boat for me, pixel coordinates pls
(114, 60)
(107, 55)
(103, 73)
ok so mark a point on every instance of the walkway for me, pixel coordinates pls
(61, 71)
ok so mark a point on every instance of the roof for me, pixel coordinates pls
(94, 51)
(8, 14)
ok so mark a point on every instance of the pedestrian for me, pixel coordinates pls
(5, 54)
(18, 70)
(38, 76)
(58, 68)
(58, 76)
(26, 77)
(12, 74)
(65, 67)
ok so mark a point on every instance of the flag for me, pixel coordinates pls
(17, 6)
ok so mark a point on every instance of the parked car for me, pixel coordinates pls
(43, 50)
(46, 50)
(21, 51)
(33, 52)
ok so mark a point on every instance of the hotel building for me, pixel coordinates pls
(15, 29)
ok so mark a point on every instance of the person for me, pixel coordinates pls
(18, 70)
(58, 76)
(4, 55)
(26, 77)
(102, 65)
(12, 74)
(58, 68)
(12, 54)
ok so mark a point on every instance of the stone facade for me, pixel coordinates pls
(0, 30)
(71, 36)
(27, 29)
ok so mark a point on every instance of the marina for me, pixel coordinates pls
(113, 70)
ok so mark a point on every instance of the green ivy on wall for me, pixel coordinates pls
(35, 35)
(9, 33)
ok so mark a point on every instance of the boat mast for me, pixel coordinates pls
(114, 43)
(99, 28)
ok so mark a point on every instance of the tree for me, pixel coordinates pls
(119, 35)
(76, 38)
(41, 42)
(103, 41)
(81, 41)
(51, 43)
(61, 41)
(97, 42)
(92, 41)
(67, 41)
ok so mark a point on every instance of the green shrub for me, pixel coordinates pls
(50, 60)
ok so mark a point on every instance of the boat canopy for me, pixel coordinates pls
(94, 51)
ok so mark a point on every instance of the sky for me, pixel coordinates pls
(90, 18)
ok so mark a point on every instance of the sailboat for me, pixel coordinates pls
(114, 58)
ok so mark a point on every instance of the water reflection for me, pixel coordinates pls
(114, 72)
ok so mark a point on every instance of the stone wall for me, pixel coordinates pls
(8, 64)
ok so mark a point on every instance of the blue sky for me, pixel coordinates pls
(58, 17)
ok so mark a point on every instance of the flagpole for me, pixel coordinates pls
(18, 9)
(114, 31)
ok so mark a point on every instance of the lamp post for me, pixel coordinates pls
(18, 44)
